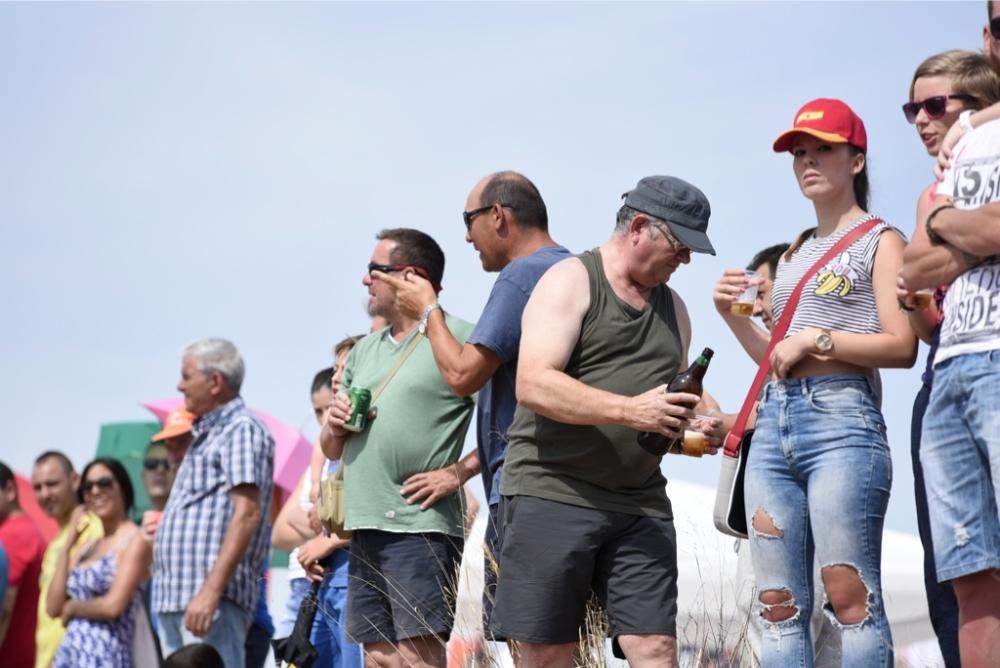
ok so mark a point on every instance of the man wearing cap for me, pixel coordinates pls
(212, 541)
(55, 484)
(585, 508)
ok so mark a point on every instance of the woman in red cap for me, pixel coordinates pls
(819, 472)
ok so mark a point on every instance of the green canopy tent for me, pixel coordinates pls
(127, 442)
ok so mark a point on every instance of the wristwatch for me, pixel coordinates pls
(824, 341)
(430, 308)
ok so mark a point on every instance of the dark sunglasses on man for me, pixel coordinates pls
(154, 463)
(935, 106)
(469, 216)
(995, 28)
(390, 268)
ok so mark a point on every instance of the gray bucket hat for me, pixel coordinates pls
(684, 207)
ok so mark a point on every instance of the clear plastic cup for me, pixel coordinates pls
(694, 443)
(922, 299)
(743, 306)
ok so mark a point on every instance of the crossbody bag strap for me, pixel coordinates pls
(735, 435)
(392, 372)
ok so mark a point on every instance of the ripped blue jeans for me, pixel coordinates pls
(817, 482)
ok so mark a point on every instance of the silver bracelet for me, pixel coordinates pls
(430, 308)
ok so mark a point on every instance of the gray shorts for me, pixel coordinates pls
(401, 585)
(554, 555)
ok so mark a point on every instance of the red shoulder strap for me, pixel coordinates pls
(735, 436)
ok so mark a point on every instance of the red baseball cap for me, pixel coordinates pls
(177, 422)
(829, 120)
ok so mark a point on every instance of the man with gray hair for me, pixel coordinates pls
(584, 506)
(212, 540)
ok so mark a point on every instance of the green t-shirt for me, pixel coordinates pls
(420, 427)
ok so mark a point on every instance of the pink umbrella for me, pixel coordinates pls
(291, 449)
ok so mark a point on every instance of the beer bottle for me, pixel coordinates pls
(687, 381)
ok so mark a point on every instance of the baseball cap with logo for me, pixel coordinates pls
(684, 207)
(828, 120)
(177, 422)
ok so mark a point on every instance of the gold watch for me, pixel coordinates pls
(824, 341)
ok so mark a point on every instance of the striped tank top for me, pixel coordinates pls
(840, 296)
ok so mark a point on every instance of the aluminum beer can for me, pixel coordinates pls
(361, 403)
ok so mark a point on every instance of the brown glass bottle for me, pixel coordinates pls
(687, 381)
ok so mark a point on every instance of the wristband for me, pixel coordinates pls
(965, 121)
(935, 238)
(430, 308)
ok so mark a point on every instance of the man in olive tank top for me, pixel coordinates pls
(585, 508)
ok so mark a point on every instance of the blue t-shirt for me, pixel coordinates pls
(499, 329)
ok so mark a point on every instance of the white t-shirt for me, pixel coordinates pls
(295, 569)
(972, 306)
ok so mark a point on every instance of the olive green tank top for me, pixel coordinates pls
(623, 350)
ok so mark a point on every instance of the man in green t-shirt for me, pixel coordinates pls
(403, 563)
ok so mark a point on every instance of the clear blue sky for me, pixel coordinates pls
(169, 172)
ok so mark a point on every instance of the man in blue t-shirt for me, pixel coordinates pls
(507, 223)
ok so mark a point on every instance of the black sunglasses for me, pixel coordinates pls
(384, 268)
(105, 483)
(389, 268)
(935, 106)
(154, 463)
(469, 216)
(995, 27)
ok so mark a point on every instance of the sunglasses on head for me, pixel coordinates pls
(105, 483)
(154, 463)
(935, 106)
(389, 268)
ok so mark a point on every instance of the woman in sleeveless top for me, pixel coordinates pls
(819, 472)
(98, 596)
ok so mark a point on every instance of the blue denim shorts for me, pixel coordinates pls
(960, 455)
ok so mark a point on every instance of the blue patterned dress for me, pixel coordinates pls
(89, 643)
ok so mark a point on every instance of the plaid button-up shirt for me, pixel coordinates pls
(231, 447)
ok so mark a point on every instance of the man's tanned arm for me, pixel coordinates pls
(246, 518)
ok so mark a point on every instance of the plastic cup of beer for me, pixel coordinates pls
(150, 523)
(922, 299)
(694, 443)
(743, 306)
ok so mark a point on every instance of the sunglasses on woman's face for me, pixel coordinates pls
(935, 106)
(103, 484)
